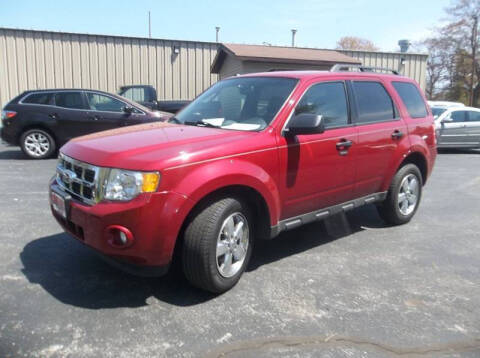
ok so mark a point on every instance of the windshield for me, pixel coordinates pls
(245, 103)
(437, 111)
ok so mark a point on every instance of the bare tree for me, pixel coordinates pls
(463, 32)
(355, 43)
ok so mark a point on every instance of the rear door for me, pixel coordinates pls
(381, 132)
(473, 127)
(70, 114)
(453, 130)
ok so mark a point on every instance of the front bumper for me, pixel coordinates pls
(154, 220)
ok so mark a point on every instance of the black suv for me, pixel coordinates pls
(42, 121)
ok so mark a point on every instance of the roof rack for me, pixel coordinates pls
(359, 68)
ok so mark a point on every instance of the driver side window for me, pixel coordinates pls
(458, 116)
(99, 102)
(328, 100)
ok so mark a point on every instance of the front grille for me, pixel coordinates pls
(78, 178)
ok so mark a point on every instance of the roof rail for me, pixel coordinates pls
(346, 67)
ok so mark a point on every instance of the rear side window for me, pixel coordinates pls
(373, 101)
(73, 100)
(38, 98)
(412, 99)
(473, 116)
(329, 101)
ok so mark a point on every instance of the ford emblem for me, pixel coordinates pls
(68, 176)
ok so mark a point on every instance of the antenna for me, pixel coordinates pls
(149, 25)
(294, 31)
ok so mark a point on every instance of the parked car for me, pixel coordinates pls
(147, 96)
(458, 127)
(438, 107)
(42, 120)
(251, 157)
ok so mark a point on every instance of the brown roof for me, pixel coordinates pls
(280, 54)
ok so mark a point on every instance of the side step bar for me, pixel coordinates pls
(324, 213)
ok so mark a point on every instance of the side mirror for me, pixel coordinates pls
(305, 123)
(128, 109)
(447, 119)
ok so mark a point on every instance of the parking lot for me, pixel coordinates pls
(347, 287)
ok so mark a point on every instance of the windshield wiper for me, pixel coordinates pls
(201, 123)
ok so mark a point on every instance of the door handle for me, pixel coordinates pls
(344, 144)
(53, 115)
(397, 134)
(95, 118)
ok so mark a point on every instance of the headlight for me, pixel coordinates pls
(124, 185)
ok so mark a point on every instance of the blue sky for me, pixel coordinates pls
(319, 23)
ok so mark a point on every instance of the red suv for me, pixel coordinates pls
(252, 156)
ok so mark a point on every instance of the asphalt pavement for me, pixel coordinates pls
(348, 287)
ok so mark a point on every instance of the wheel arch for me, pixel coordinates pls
(38, 126)
(420, 161)
(254, 200)
(412, 157)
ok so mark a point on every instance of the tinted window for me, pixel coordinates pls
(99, 102)
(474, 116)
(39, 98)
(328, 100)
(69, 100)
(135, 94)
(437, 111)
(459, 116)
(412, 99)
(374, 103)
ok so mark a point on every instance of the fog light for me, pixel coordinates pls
(119, 237)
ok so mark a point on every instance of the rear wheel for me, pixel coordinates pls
(37, 144)
(217, 245)
(403, 196)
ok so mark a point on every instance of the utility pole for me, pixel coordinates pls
(217, 29)
(474, 55)
(293, 37)
(149, 25)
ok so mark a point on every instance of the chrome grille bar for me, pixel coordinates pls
(79, 179)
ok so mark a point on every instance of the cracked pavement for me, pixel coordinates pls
(347, 287)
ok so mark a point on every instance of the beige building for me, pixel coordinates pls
(177, 69)
(232, 59)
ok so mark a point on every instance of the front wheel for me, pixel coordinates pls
(37, 144)
(217, 245)
(403, 196)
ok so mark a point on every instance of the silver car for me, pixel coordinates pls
(458, 127)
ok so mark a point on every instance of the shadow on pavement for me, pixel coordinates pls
(12, 154)
(309, 236)
(457, 151)
(75, 275)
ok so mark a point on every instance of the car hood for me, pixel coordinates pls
(154, 146)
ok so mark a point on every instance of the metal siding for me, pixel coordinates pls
(42, 59)
(414, 67)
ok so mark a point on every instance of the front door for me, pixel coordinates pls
(106, 112)
(318, 170)
(453, 130)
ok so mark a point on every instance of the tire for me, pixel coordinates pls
(394, 210)
(205, 239)
(37, 144)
